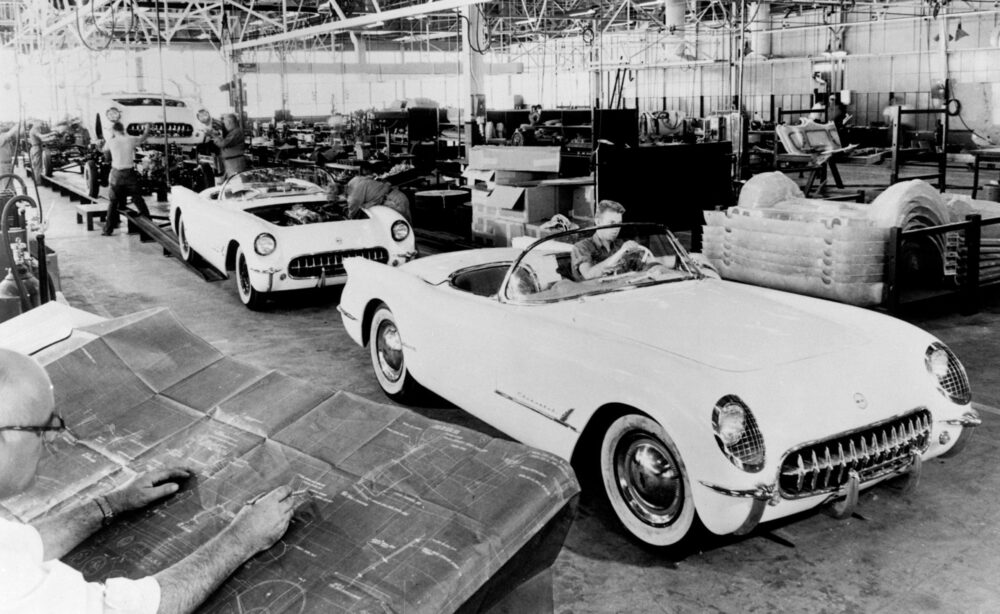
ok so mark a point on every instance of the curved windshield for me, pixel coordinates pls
(276, 182)
(597, 260)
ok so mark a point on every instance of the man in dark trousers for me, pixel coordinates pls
(231, 146)
(124, 180)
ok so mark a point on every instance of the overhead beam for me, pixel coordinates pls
(377, 68)
(356, 22)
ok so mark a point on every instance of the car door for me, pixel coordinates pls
(545, 373)
(451, 338)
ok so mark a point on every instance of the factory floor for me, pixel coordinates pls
(936, 549)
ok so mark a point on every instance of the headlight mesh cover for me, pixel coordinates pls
(955, 385)
(748, 452)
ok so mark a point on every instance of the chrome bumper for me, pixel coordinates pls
(763, 495)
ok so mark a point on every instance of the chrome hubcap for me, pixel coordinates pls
(389, 348)
(648, 479)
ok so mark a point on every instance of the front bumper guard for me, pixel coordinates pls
(763, 495)
(969, 421)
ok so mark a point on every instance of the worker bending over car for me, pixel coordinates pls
(32, 579)
(603, 253)
(365, 192)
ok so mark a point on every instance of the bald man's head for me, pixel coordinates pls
(25, 389)
(27, 401)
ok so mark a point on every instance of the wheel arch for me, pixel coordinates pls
(590, 439)
(366, 320)
(231, 250)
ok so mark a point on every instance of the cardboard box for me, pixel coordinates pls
(532, 159)
(527, 205)
(502, 177)
(476, 177)
(536, 231)
(496, 231)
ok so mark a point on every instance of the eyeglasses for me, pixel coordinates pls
(56, 424)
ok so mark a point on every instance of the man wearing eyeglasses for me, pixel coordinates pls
(32, 579)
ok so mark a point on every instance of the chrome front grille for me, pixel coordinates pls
(872, 452)
(176, 129)
(332, 263)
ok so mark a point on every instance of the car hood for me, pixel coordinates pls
(723, 325)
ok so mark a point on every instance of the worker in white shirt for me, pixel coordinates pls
(124, 180)
(32, 579)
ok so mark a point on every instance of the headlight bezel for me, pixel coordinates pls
(957, 391)
(746, 452)
(263, 250)
(113, 114)
(401, 224)
(204, 116)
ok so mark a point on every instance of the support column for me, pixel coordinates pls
(474, 73)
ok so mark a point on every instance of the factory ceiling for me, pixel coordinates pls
(406, 24)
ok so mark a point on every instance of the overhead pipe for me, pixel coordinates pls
(356, 22)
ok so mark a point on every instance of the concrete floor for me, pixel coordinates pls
(935, 550)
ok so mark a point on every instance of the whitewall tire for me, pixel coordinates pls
(248, 295)
(187, 253)
(645, 481)
(385, 343)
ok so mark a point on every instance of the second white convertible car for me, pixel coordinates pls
(278, 230)
(692, 398)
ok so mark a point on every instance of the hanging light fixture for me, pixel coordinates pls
(960, 33)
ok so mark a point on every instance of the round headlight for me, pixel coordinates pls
(113, 114)
(731, 423)
(264, 244)
(937, 362)
(737, 434)
(204, 116)
(400, 230)
(949, 373)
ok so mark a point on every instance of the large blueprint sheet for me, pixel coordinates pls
(406, 514)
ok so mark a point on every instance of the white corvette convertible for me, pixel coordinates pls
(694, 399)
(277, 229)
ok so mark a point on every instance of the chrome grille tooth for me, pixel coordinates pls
(854, 454)
(813, 471)
(802, 473)
(828, 471)
(841, 463)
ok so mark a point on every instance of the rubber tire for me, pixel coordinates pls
(91, 179)
(670, 535)
(187, 252)
(250, 297)
(46, 163)
(405, 389)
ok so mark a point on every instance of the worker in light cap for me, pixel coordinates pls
(32, 579)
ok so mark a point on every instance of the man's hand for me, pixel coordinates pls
(147, 487)
(261, 523)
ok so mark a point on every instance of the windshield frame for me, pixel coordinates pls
(287, 172)
(687, 263)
